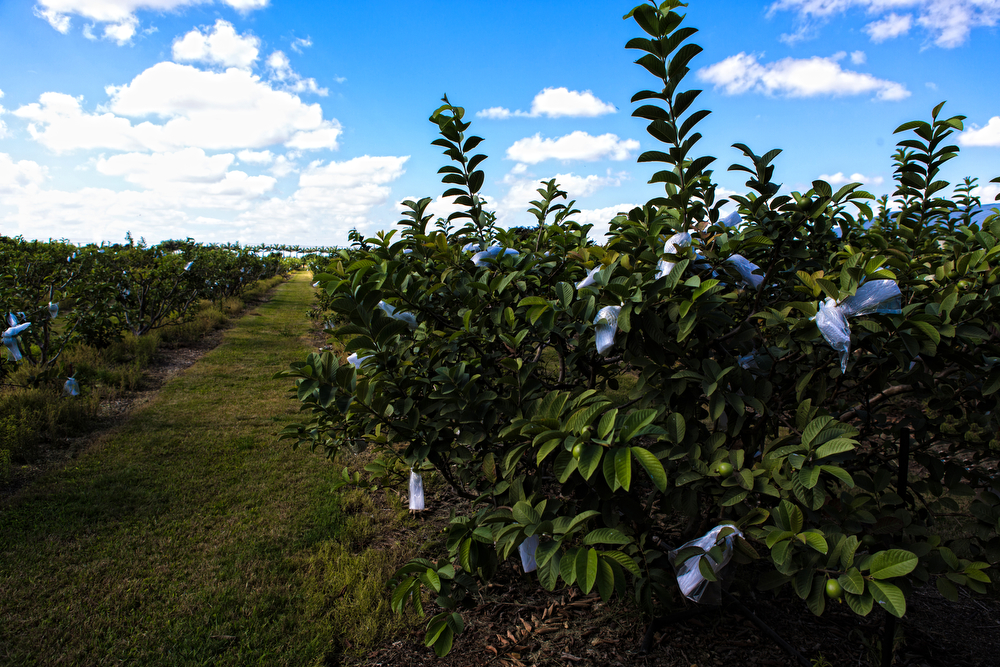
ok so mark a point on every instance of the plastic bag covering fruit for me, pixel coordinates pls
(187, 267)
(53, 310)
(471, 247)
(9, 338)
(356, 361)
(404, 317)
(877, 296)
(71, 387)
(416, 491)
(731, 220)
(672, 246)
(491, 253)
(748, 362)
(746, 269)
(607, 325)
(527, 551)
(693, 585)
(589, 280)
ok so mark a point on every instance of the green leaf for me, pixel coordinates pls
(852, 581)
(889, 596)
(590, 458)
(623, 467)
(606, 536)
(927, 329)
(624, 560)
(586, 569)
(636, 421)
(815, 540)
(859, 604)
(607, 423)
(814, 428)
(525, 514)
(676, 428)
(653, 467)
(808, 476)
(891, 563)
(605, 579)
(817, 596)
(835, 446)
(788, 517)
(947, 588)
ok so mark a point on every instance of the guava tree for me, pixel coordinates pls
(610, 402)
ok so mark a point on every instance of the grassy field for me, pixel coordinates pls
(191, 536)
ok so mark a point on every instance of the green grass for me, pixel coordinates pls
(191, 536)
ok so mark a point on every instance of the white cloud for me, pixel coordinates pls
(123, 31)
(281, 70)
(190, 165)
(209, 110)
(331, 198)
(283, 167)
(577, 145)
(792, 77)
(840, 179)
(119, 16)
(555, 103)
(256, 157)
(58, 21)
(300, 43)
(948, 22)
(219, 45)
(988, 193)
(858, 57)
(982, 136)
(357, 172)
(522, 191)
(889, 27)
(17, 176)
(496, 113)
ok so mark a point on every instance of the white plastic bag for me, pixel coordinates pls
(416, 492)
(527, 551)
(672, 246)
(9, 337)
(471, 247)
(693, 585)
(187, 267)
(747, 269)
(589, 280)
(494, 251)
(53, 310)
(877, 296)
(748, 362)
(355, 360)
(731, 220)
(71, 387)
(404, 317)
(607, 326)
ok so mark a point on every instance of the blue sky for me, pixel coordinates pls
(269, 121)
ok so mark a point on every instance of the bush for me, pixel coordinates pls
(740, 410)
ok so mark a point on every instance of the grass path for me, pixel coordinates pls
(191, 536)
